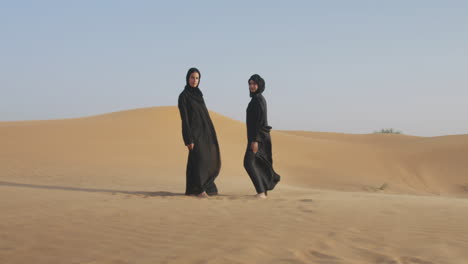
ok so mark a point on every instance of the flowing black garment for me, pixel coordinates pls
(259, 165)
(204, 161)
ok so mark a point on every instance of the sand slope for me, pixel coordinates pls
(108, 189)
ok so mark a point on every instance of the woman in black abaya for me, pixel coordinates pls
(258, 160)
(204, 162)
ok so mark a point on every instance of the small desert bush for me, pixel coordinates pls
(388, 131)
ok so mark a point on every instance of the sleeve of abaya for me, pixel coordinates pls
(186, 131)
(260, 117)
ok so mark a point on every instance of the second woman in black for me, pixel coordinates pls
(258, 160)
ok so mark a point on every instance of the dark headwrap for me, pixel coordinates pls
(193, 90)
(260, 82)
(190, 71)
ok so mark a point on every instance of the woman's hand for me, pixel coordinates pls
(254, 146)
(190, 146)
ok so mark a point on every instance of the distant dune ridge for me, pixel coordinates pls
(149, 140)
(109, 189)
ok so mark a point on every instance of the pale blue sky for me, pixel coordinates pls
(341, 66)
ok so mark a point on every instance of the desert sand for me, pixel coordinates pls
(109, 189)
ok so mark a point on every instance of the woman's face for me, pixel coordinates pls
(253, 86)
(194, 79)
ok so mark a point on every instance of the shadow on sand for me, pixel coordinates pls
(80, 189)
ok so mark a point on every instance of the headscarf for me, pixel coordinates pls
(190, 71)
(193, 90)
(260, 82)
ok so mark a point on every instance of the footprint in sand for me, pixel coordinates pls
(414, 260)
(323, 257)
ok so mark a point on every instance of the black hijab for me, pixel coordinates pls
(260, 82)
(193, 90)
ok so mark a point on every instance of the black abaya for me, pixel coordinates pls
(204, 162)
(259, 165)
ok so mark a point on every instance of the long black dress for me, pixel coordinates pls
(259, 165)
(204, 162)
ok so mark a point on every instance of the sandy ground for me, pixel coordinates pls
(109, 189)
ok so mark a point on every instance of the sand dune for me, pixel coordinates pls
(108, 189)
